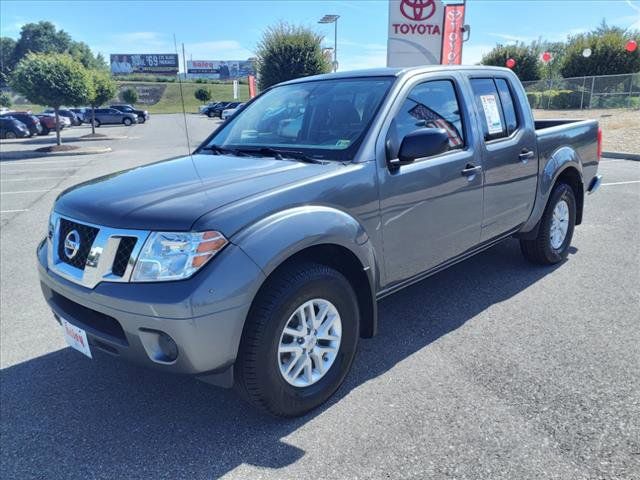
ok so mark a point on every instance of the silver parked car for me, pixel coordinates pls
(111, 116)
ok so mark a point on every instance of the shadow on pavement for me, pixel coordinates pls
(64, 416)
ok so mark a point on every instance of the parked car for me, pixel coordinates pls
(111, 116)
(65, 112)
(228, 112)
(48, 122)
(83, 114)
(216, 110)
(31, 121)
(12, 128)
(202, 107)
(142, 115)
(259, 259)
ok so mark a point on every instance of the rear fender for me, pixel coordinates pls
(561, 159)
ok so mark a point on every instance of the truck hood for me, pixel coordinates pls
(173, 194)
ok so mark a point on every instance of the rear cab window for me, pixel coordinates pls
(496, 107)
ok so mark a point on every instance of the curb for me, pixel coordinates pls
(622, 155)
(25, 155)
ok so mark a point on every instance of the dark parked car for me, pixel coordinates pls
(12, 128)
(143, 115)
(111, 116)
(65, 112)
(258, 260)
(216, 110)
(31, 121)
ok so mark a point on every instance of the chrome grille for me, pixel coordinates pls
(105, 254)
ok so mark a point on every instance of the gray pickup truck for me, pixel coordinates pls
(258, 260)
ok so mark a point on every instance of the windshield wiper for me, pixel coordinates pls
(218, 150)
(282, 154)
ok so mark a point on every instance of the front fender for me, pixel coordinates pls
(272, 240)
(560, 160)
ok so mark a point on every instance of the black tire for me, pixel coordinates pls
(45, 131)
(540, 250)
(127, 122)
(258, 377)
(10, 135)
(141, 120)
(97, 123)
(210, 114)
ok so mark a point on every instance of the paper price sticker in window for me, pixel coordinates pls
(491, 114)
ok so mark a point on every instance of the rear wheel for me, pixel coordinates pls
(45, 131)
(299, 340)
(210, 114)
(10, 135)
(555, 231)
(96, 123)
(127, 122)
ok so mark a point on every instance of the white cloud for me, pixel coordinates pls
(472, 54)
(220, 49)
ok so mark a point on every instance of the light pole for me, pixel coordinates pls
(333, 19)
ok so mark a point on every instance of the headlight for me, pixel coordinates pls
(176, 255)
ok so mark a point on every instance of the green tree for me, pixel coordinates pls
(129, 95)
(608, 53)
(54, 80)
(43, 37)
(5, 100)
(104, 89)
(202, 94)
(7, 49)
(287, 52)
(526, 58)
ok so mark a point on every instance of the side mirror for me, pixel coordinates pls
(421, 143)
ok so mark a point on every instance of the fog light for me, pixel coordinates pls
(160, 347)
(168, 347)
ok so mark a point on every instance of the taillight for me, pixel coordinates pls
(599, 152)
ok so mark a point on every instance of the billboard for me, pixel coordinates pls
(158, 63)
(415, 32)
(220, 69)
(452, 35)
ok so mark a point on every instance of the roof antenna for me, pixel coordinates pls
(184, 112)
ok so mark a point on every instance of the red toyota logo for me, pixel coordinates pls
(417, 10)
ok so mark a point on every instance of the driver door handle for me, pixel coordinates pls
(471, 170)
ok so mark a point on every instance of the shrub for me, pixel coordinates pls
(129, 95)
(5, 100)
(202, 94)
(287, 52)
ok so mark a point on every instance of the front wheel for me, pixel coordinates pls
(127, 122)
(45, 131)
(555, 232)
(10, 135)
(299, 340)
(96, 123)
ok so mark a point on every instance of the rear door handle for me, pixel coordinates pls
(470, 170)
(526, 155)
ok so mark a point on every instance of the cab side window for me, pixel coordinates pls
(495, 106)
(431, 104)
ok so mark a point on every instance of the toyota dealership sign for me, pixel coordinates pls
(415, 32)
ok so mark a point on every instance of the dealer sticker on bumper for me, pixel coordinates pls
(76, 338)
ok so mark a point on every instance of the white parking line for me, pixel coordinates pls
(14, 211)
(52, 169)
(30, 191)
(620, 183)
(46, 162)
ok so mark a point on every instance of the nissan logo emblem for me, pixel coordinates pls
(72, 244)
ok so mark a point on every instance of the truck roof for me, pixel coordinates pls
(396, 72)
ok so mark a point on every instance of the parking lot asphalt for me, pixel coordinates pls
(491, 369)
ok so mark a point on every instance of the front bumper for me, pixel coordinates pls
(204, 315)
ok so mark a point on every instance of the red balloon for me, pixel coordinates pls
(546, 57)
(631, 46)
(510, 63)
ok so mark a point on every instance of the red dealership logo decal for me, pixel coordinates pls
(417, 10)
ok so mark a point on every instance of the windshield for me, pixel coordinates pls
(324, 119)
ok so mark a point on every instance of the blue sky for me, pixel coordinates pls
(228, 30)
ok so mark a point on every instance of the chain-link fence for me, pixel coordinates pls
(607, 91)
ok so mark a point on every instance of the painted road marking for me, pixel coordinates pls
(30, 191)
(620, 183)
(14, 211)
